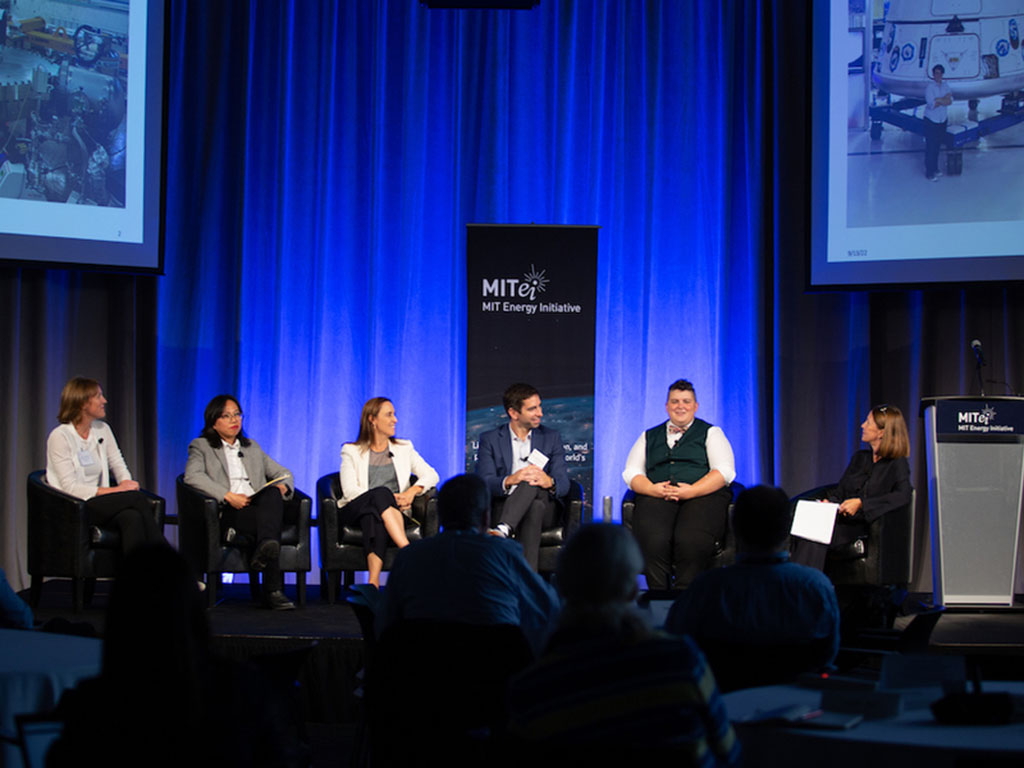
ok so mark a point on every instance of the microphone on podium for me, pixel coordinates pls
(976, 347)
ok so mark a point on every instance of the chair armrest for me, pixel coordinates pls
(58, 529)
(573, 509)
(198, 526)
(628, 507)
(304, 505)
(326, 515)
(424, 509)
(813, 493)
(159, 507)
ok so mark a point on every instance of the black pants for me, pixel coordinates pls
(527, 511)
(366, 510)
(934, 134)
(807, 552)
(262, 519)
(131, 512)
(679, 537)
(813, 553)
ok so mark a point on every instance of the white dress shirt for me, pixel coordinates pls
(521, 450)
(236, 470)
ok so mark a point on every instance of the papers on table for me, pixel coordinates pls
(814, 520)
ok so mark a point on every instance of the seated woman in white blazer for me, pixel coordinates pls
(376, 472)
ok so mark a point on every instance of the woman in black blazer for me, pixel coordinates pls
(876, 481)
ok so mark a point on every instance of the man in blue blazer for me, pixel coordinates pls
(523, 463)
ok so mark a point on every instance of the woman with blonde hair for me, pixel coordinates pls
(376, 483)
(82, 459)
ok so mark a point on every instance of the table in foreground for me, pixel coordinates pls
(35, 669)
(912, 738)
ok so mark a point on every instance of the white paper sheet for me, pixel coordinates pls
(814, 520)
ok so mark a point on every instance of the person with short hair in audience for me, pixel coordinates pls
(876, 482)
(680, 471)
(465, 575)
(608, 682)
(377, 487)
(764, 602)
(81, 459)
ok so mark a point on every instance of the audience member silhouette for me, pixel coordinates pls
(764, 619)
(609, 685)
(465, 575)
(161, 700)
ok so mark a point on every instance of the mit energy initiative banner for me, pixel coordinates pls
(532, 292)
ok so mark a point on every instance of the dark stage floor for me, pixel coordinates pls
(235, 615)
(988, 631)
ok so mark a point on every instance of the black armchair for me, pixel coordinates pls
(725, 550)
(882, 558)
(61, 542)
(341, 547)
(552, 539)
(201, 540)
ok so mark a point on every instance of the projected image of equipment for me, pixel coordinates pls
(63, 101)
(977, 43)
(904, 192)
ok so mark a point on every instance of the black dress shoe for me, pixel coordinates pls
(266, 553)
(276, 601)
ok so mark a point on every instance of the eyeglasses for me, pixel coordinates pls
(232, 416)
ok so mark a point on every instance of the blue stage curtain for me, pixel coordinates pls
(325, 159)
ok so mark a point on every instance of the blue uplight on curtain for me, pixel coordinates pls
(326, 157)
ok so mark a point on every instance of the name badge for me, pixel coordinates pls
(85, 458)
(538, 459)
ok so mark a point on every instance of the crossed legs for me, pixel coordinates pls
(526, 511)
(381, 521)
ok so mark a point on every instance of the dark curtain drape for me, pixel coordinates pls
(54, 325)
(324, 159)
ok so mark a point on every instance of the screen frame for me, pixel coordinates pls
(900, 274)
(147, 257)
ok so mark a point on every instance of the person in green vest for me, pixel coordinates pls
(680, 471)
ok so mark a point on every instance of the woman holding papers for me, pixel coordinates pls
(876, 481)
(82, 458)
(251, 487)
(376, 482)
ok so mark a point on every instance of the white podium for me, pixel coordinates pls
(975, 482)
